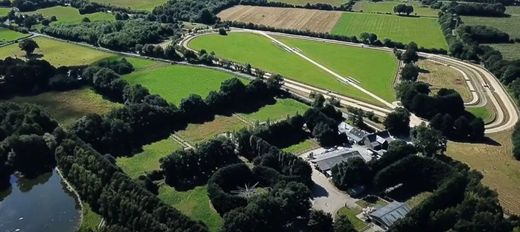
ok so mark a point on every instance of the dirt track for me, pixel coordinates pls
(289, 18)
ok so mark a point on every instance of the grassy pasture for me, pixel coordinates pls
(197, 133)
(373, 68)
(422, 30)
(278, 111)
(194, 203)
(388, 7)
(148, 159)
(510, 25)
(66, 107)
(510, 51)
(303, 2)
(441, 76)
(496, 163)
(261, 52)
(71, 15)
(175, 82)
(147, 5)
(58, 53)
(7, 35)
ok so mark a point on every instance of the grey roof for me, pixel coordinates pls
(391, 213)
(328, 160)
(353, 133)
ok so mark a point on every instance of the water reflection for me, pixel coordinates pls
(39, 204)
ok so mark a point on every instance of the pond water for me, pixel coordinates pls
(42, 204)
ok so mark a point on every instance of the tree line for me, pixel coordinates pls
(476, 9)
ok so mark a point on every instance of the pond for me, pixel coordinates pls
(39, 204)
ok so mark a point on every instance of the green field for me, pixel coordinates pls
(303, 2)
(4, 11)
(148, 160)
(261, 52)
(58, 53)
(388, 7)
(375, 69)
(7, 35)
(198, 133)
(426, 32)
(91, 219)
(488, 115)
(194, 203)
(71, 15)
(510, 25)
(133, 4)
(510, 51)
(302, 147)
(175, 82)
(282, 109)
(66, 107)
(513, 10)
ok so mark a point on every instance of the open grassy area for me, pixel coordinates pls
(68, 106)
(58, 53)
(510, 51)
(4, 11)
(510, 25)
(7, 35)
(303, 2)
(485, 112)
(441, 76)
(71, 15)
(302, 147)
(175, 82)
(375, 69)
(197, 133)
(424, 31)
(147, 5)
(194, 203)
(90, 219)
(282, 109)
(377, 203)
(388, 7)
(261, 52)
(513, 10)
(358, 224)
(417, 199)
(496, 162)
(148, 160)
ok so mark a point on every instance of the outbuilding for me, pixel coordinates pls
(387, 215)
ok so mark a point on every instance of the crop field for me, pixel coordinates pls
(426, 32)
(510, 25)
(268, 56)
(510, 51)
(388, 7)
(193, 203)
(375, 69)
(496, 162)
(175, 82)
(7, 35)
(66, 107)
(197, 133)
(71, 15)
(148, 159)
(58, 53)
(147, 5)
(441, 76)
(290, 18)
(282, 109)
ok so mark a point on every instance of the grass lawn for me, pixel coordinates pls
(175, 82)
(147, 5)
(378, 203)
(90, 219)
(484, 112)
(7, 35)
(58, 53)
(261, 52)
(510, 25)
(510, 51)
(375, 69)
(302, 147)
(358, 224)
(71, 15)
(441, 76)
(388, 7)
(66, 107)
(282, 109)
(148, 160)
(417, 199)
(426, 32)
(495, 161)
(303, 2)
(197, 133)
(194, 203)
(4, 11)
